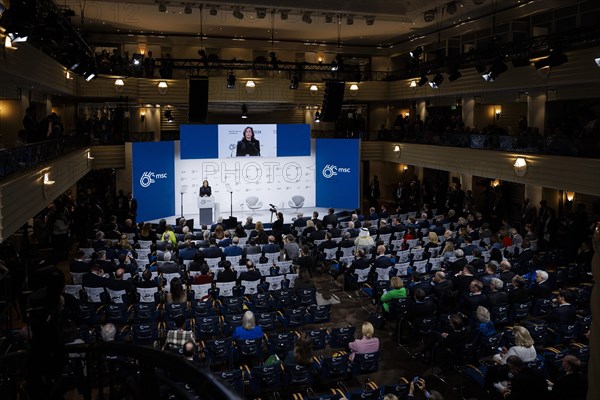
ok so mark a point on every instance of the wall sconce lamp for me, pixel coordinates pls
(320, 59)
(313, 89)
(520, 166)
(495, 183)
(570, 196)
(405, 168)
(142, 115)
(354, 87)
(89, 155)
(163, 87)
(47, 180)
(407, 115)
(397, 151)
(250, 85)
(498, 112)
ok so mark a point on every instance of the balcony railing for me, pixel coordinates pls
(22, 158)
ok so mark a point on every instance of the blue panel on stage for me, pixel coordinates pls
(337, 173)
(153, 177)
(293, 140)
(199, 141)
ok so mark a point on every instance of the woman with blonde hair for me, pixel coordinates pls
(448, 250)
(397, 291)
(523, 347)
(434, 241)
(368, 343)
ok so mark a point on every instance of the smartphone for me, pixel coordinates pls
(416, 379)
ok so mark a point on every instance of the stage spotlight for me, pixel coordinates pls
(294, 82)
(349, 20)
(369, 19)
(317, 117)
(89, 76)
(169, 116)
(597, 60)
(162, 6)
(306, 17)
(454, 75)
(416, 53)
(244, 111)
(497, 68)
(231, 80)
(436, 82)
(328, 18)
(188, 8)
(284, 15)
(261, 13)
(238, 14)
(213, 11)
(422, 81)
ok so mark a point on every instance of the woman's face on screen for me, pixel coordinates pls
(248, 134)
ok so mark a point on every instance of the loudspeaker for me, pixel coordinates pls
(198, 99)
(332, 100)
(230, 223)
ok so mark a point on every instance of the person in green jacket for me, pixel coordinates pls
(398, 291)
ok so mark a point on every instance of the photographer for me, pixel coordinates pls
(420, 384)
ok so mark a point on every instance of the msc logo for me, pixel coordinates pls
(331, 170)
(148, 178)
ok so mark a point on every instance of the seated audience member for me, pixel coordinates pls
(420, 384)
(168, 266)
(523, 347)
(573, 384)
(420, 307)
(118, 284)
(541, 288)
(212, 251)
(226, 241)
(146, 281)
(80, 264)
(249, 225)
(234, 249)
(301, 354)
(189, 353)
(147, 233)
(291, 249)
(520, 293)
(271, 246)
(485, 326)
(353, 230)
(188, 252)
(463, 279)
(228, 274)
(249, 329)
(367, 344)
(177, 293)
(364, 241)
(204, 276)
(177, 337)
(526, 383)
(496, 295)
(95, 278)
(564, 313)
(451, 340)
(475, 298)
(169, 236)
(198, 262)
(108, 332)
(251, 273)
(397, 291)
(506, 274)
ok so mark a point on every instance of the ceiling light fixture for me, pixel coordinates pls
(306, 17)
(261, 13)
(436, 82)
(354, 87)
(597, 61)
(313, 89)
(250, 85)
(119, 82)
(238, 14)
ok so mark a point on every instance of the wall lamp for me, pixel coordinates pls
(570, 196)
(498, 111)
(163, 87)
(250, 85)
(47, 180)
(89, 155)
(313, 89)
(520, 167)
(397, 151)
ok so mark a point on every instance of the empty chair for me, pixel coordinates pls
(266, 320)
(265, 379)
(218, 351)
(296, 202)
(253, 203)
(281, 343)
(144, 334)
(334, 367)
(319, 314)
(318, 338)
(340, 337)
(366, 363)
(207, 327)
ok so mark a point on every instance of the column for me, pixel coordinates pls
(422, 110)
(468, 111)
(536, 110)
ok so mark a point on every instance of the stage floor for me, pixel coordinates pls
(258, 215)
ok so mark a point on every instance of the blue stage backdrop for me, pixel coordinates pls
(337, 172)
(153, 179)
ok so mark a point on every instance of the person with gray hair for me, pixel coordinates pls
(108, 332)
(497, 296)
(541, 288)
(249, 329)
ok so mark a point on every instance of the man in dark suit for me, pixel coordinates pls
(520, 293)
(541, 288)
(228, 274)
(213, 251)
(132, 205)
(346, 241)
(234, 249)
(441, 285)
(353, 230)
(420, 308)
(95, 278)
(79, 264)
(249, 225)
(475, 298)
(107, 266)
(271, 247)
(497, 296)
(315, 219)
(564, 313)
(251, 273)
(318, 234)
(335, 231)
(460, 262)
(300, 221)
(168, 266)
(118, 284)
(188, 252)
(330, 219)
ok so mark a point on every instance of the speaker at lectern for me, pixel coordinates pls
(205, 210)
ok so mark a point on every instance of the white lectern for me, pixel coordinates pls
(205, 210)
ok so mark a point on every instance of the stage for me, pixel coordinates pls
(289, 215)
